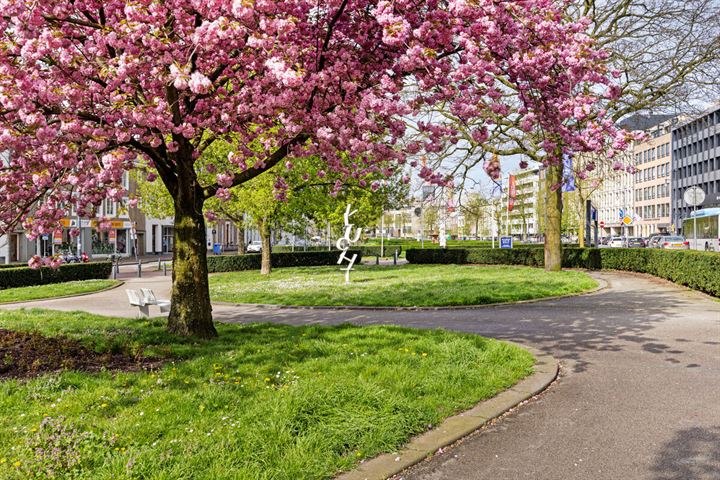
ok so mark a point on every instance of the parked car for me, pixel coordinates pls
(617, 242)
(636, 242)
(674, 242)
(69, 257)
(653, 241)
(254, 247)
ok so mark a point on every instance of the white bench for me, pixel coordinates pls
(149, 299)
(144, 298)
(137, 301)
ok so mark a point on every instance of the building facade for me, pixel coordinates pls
(652, 161)
(614, 200)
(522, 220)
(695, 163)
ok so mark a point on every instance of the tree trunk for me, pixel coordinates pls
(191, 311)
(583, 214)
(265, 236)
(241, 241)
(553, 213)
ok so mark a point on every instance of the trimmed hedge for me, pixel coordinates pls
(27, 277)
(251, 261)
(697, 270)
(367, 250)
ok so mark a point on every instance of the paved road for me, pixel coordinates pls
(639, 398)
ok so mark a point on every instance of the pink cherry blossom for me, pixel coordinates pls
(35, 262)
(92, 89)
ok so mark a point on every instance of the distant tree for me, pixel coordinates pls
(476, 210)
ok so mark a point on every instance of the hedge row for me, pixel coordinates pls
(697, 270)
(251, 261)
(27, 277)
(367, 250)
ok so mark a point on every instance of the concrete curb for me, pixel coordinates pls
(454, 428)
(602, 284)
(112, 287)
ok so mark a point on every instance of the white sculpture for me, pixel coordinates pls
(343, 244)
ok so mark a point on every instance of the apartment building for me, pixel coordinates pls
(695, 162)
(652, 160)
(614, 200)
(522, 221)
(641, 196)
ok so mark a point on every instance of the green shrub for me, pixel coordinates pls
(367, 250)
(289, 249)
(437, 255)
(519, 256)
(697, 270)
(27, 277)
(251, 261)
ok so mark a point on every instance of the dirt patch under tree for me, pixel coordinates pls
(29, 354)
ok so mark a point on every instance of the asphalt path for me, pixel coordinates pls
(639, 396)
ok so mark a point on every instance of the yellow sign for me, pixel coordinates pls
(627, 220)
(114, 224)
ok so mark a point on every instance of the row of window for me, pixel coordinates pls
(698, 147)
(651, 154)
(698, 125)
(649, 193)
(697, 168)
(655, 211)
(647, 174)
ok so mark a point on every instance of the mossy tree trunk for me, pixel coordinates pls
(553, 213)
(241, 240)
(265, 238)
(191, 310)
(581, 230)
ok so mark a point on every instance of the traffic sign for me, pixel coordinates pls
(602, 224)
(506, 242)
(621, 213)
(627, 220)
(694, 196)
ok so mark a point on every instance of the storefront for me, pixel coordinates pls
(118, 240)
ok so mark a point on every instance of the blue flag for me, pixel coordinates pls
(568, 184)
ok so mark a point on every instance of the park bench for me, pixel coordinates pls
(144, 298)
(137, 301)
(149, 299)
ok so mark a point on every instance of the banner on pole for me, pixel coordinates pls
(512, 192)
(568, 184)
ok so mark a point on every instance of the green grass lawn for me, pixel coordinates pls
(261, 402)
(54, 290)
(406, 285)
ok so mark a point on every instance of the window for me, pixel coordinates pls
(108, 208)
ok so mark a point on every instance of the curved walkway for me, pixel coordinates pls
(639, 397)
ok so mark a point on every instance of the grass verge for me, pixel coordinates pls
(263, 401)
(54, 290)
(397, 286)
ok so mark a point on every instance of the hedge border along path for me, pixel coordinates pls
(696, 270)
(28, 277)
(251, 261)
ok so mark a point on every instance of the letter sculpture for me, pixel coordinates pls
(345, 242)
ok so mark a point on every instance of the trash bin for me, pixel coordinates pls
(217, 249)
